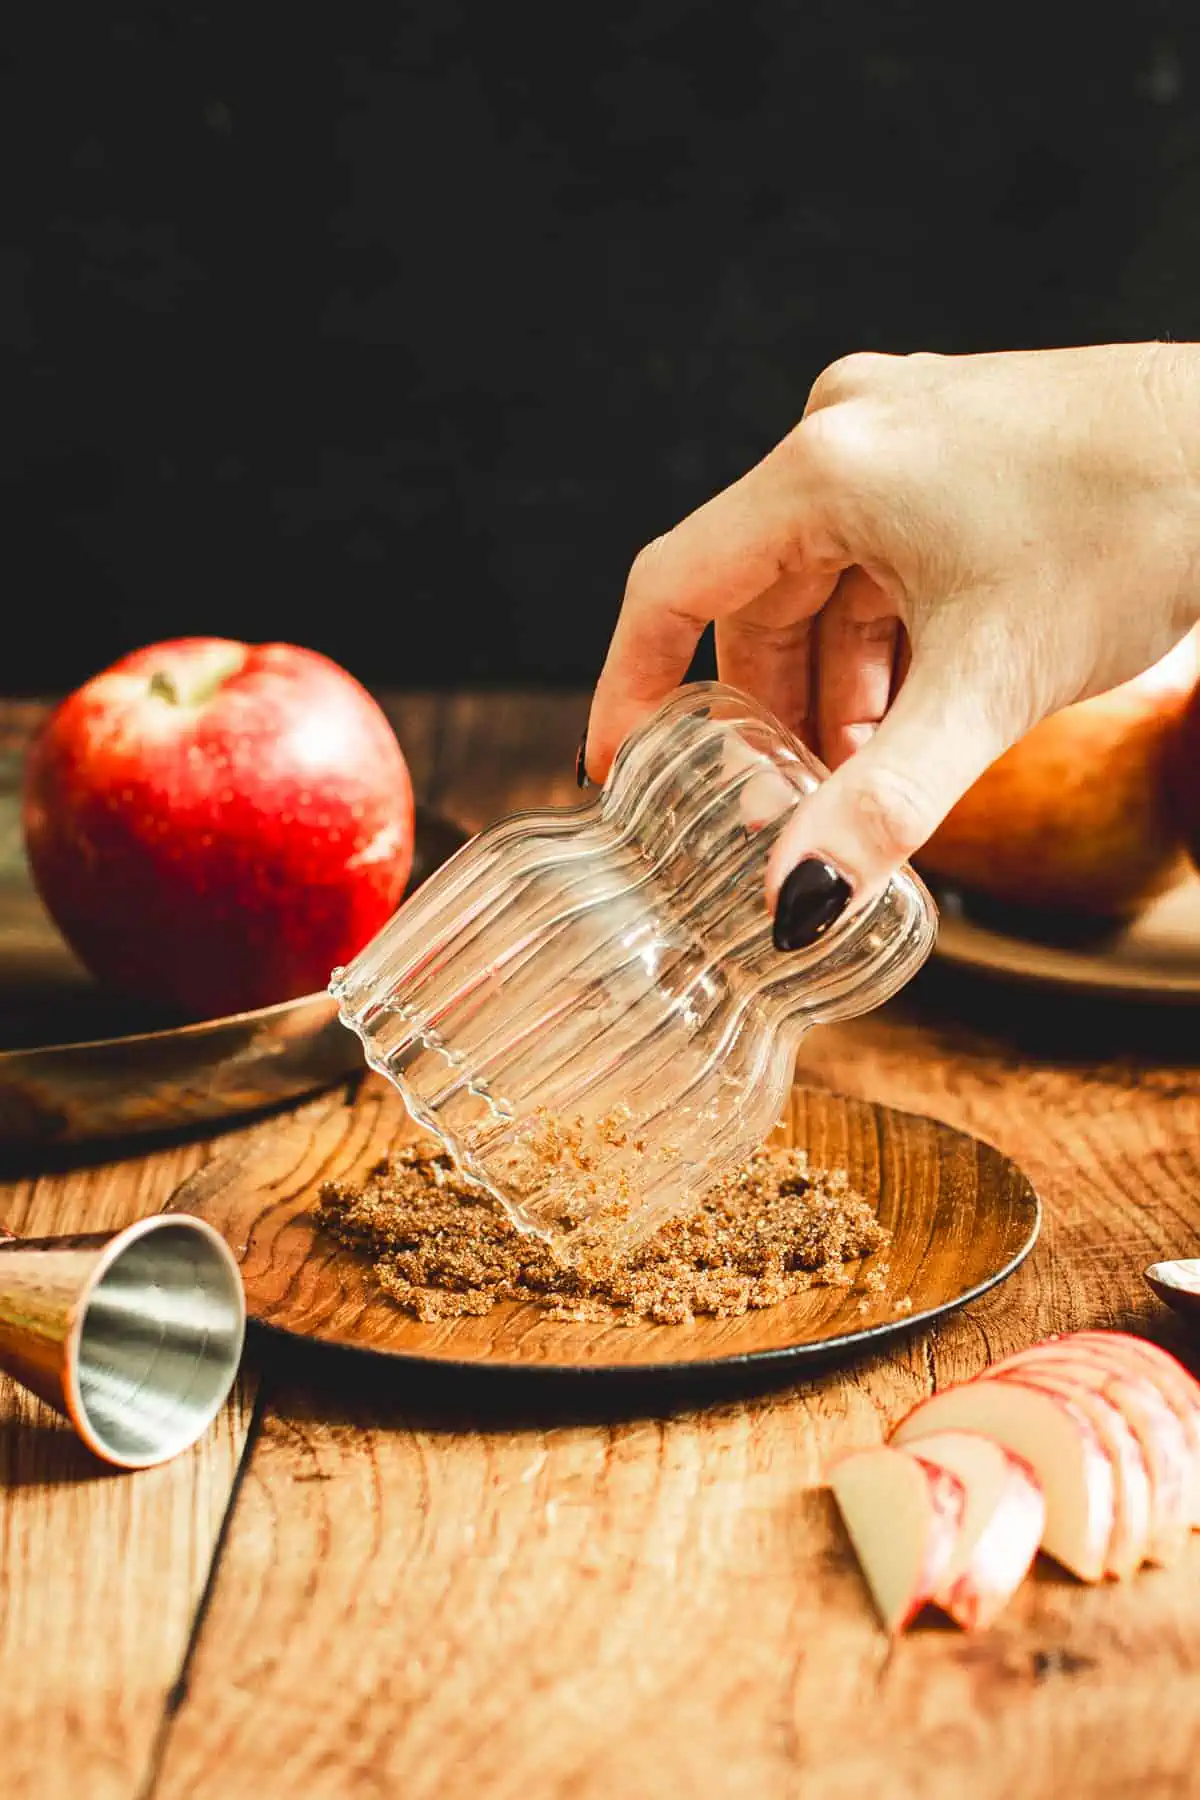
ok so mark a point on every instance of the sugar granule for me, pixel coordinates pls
(443, 1249)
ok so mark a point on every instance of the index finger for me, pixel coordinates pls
(717, 561)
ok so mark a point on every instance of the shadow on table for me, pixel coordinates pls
(346, 1386)
(43, 1452)
(353, 1387)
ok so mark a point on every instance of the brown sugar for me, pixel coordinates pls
(443, 1248)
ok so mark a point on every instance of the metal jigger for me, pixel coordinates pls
(134, 1336)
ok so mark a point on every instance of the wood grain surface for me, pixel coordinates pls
(430, 1588)
(959, 1217)
(100, 1576)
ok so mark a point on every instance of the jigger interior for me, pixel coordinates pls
(136, 1336)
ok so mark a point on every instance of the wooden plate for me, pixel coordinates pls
(1155, 958)
(78, 1064)
(962, 1217)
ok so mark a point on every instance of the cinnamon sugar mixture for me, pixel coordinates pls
(443, 1248)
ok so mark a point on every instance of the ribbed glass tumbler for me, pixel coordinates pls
(586, 1005)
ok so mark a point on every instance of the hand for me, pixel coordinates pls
(943, 551)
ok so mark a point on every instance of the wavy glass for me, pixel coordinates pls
(609, 970)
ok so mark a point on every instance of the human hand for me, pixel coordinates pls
(943, 551)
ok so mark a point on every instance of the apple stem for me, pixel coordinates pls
(196, 683)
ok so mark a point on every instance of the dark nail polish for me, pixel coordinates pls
(813, 897)
(581, 774)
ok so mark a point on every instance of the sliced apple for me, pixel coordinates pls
(1002, 1525)
(1178, 1387)
(903, 1517)
(1169, 1462)
(1161, 1437)
(1132, 1501)
(1056, 1438)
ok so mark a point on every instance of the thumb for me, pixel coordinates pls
(843, 843)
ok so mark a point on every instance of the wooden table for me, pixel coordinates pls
(369, 1584)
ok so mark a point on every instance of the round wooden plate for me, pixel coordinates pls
(962, 1217)
(78, 1064)
(1155, 958)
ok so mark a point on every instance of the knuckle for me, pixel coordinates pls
(893, 816)
(849, 377)
(867, 629)
(846, 444)
(649, 556)
(924, 361)
(642, 579)
(772, 637)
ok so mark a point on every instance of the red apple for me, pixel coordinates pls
(1077, 818)
(902, 1516)
(1002, 1524)
(1055, 1437)
(215, 825)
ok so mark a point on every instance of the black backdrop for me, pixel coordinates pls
(397, 330)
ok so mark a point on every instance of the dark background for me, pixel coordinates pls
(397, 331)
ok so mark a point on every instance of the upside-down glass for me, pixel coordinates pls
(612, 965)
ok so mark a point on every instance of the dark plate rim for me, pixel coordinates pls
(199, 1028)
(192, 1028)
(820, 1350)
(1138, 986)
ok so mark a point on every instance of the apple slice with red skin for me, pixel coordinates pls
(1001, 1529)
(1056, 1438)
(1169, 1463)
(902, 1516)
(1133, 1496)
(1161, 1437)
(1133, 1355)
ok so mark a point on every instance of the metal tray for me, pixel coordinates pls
(79, 1065)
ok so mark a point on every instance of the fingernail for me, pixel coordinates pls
(581, 774)
(813, 897)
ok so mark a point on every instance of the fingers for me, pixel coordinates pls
(903, 662)
(766, 648)
(857, 634)
(844, 843)
(761, 537)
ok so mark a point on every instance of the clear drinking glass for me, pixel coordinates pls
(586, 1005)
